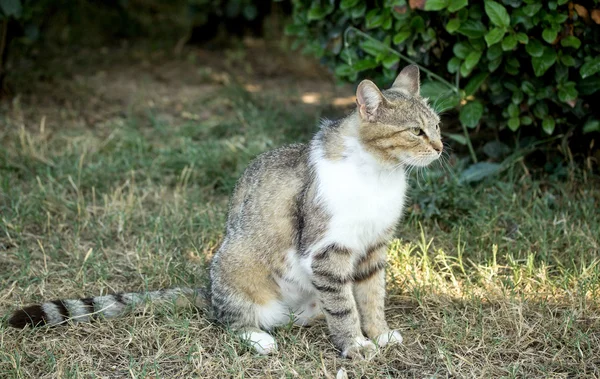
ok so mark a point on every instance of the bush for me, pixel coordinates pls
(508, 65)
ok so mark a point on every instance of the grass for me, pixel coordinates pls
(497, 279)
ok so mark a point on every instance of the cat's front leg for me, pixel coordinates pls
(332, 269)
(369, 292)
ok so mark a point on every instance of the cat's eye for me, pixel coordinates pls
(417, 131)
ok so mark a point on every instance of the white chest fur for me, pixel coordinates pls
(363, 198)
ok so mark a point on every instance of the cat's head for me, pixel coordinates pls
(397, 125)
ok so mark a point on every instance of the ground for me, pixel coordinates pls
(114, 174)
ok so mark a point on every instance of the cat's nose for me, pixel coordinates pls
(437, 146)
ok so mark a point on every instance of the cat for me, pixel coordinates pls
(307, 230)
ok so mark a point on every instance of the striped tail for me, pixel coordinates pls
(58, 312)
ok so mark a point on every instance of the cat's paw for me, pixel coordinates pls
(391, 337)
(261, 341)
(361, 348)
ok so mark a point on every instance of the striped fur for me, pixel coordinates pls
(307, 230)
(58, 312)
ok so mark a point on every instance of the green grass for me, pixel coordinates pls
(498, 279)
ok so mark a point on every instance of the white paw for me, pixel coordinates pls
(392, 337)
(262, 342)
(361, 348)
(341, 374)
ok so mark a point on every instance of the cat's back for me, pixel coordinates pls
(269, 187)
(277, 161)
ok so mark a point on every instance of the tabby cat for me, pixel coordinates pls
(307, 230)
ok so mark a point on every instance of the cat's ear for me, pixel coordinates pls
(408, 80)
(368, 99)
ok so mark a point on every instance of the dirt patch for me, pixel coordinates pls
(92, 88)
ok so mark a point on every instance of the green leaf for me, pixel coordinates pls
(347, 4)
(522, 38)
(453, 65)
(571, 41)
(514, 123)
(374, 19)
(591, 126)
(432, 88)
(318, 12)
(373, 47)
(526, 120)
(453, 25)
(589, 85)
(517, 97)
(560, 18)
(548, 124)
(364, 64)
(509, 42)
(540, 110)
(436, 5)
(471, 113)
(344, 70)
(518, 17)
(494, 52)
(401, 37)
(477, 44)
(535, 48)
(528, 87)
(567, 60)
(511, 85)
(561, 73)
(417, 24)
(472, 29)
(461, 49)
(471, 61)
(512, 65)
(456, 5)
(497, 13)
(475, 83)
(531, 9)
(494, 64)
(479, 171)
(546, 92)
(460, 138)
(390, 61)
(567, 92)
(387, 22)
(475, 12)
(543, 63)
(440, 95)
(494, 36)
(359, 11)
(549, 34)
(11, 8)
(590, 67)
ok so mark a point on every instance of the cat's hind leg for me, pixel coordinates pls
(261, 341)
(245, 297)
